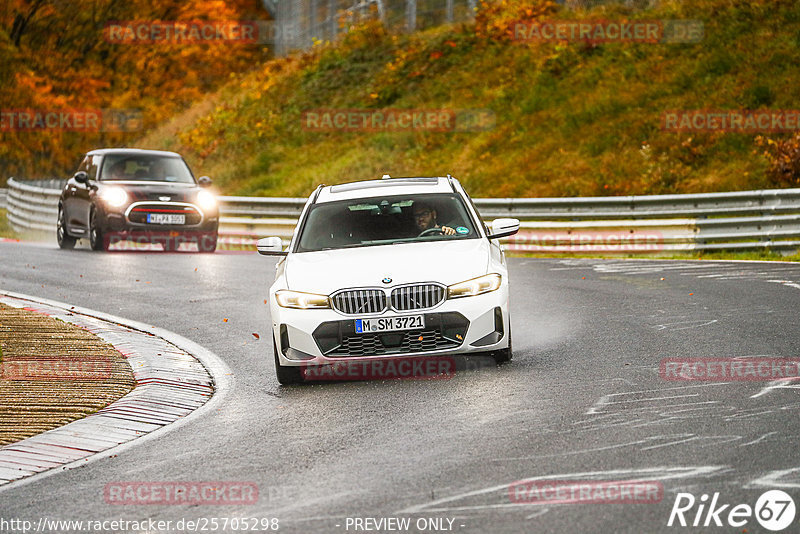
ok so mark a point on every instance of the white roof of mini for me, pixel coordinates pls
(384, 187)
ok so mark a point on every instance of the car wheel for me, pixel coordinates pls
(207, 243)
(504, 355)
(286, 375)
(65, 240)
(96, 238)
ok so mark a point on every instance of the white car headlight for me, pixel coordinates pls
(206, 200)
(115, 197)
(476, 286)
(295, 299)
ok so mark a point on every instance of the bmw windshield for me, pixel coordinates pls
(386, 220)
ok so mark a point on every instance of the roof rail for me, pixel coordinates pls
(450, 181)
(316, 193)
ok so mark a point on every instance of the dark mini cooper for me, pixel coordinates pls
(145, 196)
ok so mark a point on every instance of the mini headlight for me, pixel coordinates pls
(114, 196)
(476, 286)
(206, 200)
(296, 299)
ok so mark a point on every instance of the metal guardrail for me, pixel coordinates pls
(33, 206)
(641, 224)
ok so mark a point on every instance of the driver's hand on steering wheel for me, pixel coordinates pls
(446, 230)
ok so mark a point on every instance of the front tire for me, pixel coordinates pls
(65, 241)
(504, 355)
(96, 237)
(286, 375)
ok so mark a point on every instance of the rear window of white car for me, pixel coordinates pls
(386, 220)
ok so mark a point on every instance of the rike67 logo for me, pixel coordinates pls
(774, 510)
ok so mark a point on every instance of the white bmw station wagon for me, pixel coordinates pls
(397, 267)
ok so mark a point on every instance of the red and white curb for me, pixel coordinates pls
(176, 381)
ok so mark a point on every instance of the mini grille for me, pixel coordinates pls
(139, 213)
(418, 297)
(360, 301)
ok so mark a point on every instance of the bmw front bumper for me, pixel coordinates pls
(457, 326)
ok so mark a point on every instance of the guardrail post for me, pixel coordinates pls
(411, 15)
(332, 22)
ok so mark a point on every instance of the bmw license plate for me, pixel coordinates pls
(166, 218)
(389, 324)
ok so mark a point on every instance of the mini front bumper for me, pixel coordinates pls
(459, 326)
(116, 221)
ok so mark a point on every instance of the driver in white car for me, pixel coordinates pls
(425, 218)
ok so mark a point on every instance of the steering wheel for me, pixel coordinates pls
(431, 230)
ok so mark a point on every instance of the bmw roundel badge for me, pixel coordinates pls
(387, 280)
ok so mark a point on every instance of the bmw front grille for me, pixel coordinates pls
(353, 302)
(417, 297)
(403, 298)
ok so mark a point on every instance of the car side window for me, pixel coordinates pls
(91, 166)
(84, 166)
(477, 213)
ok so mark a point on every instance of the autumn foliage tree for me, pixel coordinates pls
(783, 158)
(55, 55)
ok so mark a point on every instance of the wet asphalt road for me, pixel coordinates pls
(582, 400)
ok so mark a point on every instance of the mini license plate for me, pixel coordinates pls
(389, 324)
(166, 218)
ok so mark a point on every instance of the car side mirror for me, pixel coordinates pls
(81, 177)
(270, 246)
(204, 181)
(503, 228)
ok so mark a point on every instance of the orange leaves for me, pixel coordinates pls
(62, 58)
(495, 20)
(783, 158)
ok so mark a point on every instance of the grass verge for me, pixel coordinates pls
(5, 227)
(53, 373)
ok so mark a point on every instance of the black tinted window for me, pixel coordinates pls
(385, 220)
(146, 168)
